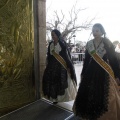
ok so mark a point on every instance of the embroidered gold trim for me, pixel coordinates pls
(98, 59)
(103, 64)
(60, 59)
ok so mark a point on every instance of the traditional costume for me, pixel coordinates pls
(59, 79)
(98, 96)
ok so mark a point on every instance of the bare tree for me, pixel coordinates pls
(68, 26)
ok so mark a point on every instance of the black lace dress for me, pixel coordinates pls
(94, 98)
(55, 79)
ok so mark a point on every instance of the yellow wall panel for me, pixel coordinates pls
(16, 53)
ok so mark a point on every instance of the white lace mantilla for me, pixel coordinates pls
(100, 50)
(56, 48)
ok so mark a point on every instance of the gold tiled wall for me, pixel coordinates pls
(16, 53)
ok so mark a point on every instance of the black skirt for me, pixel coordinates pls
(54, 79)
(92, 97)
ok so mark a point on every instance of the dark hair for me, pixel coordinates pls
(57, 32)
(101, 28)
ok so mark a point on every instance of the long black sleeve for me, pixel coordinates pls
(112, 58)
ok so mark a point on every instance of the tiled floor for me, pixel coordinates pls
(39, 110)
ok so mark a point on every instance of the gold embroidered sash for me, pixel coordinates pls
(60, 59)
(98, 59)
